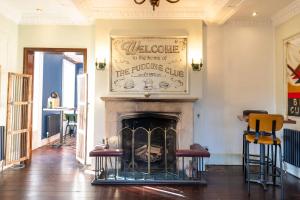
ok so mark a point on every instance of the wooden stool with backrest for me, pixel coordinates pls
(246, 113)
(265, 126)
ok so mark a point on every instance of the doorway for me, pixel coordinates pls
(54, 72)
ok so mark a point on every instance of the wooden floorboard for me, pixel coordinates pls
(54, 174)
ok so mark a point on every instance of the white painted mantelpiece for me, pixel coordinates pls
(115, 107)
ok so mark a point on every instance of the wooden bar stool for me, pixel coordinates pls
(265, 126)
(246, 113)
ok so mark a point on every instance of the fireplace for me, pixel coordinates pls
(148, 140)
(151, 140)
(117, 108)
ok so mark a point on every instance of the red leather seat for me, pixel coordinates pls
(107, 153)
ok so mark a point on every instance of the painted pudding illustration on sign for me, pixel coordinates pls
(129, 84)
(148, 84)
(293, 75)
(148, 64)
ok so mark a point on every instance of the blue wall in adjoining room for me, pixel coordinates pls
(52, 82)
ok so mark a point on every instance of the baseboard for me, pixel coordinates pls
(224, 159)
(291, 169)
(3, 167)
(47, 141)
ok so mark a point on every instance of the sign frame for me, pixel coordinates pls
(187, 70)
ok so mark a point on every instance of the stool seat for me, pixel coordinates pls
(106, 153)
(192, 153)
(268, 140)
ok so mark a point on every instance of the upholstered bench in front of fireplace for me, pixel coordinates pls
(101, 157)
(104, 175)
(197, 153)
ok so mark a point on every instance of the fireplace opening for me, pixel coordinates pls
(149, 142)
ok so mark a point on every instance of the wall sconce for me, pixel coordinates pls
(100, 65)
(197, 66)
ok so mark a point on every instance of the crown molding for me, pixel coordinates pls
(51, 19)
(248, 22)
(227, 10)
(286, 13)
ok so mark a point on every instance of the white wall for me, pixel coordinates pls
(239, 75)
(8, 60)
(282, 33)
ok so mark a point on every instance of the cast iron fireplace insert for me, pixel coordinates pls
(149, 142)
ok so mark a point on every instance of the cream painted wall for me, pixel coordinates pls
(238, 76)
(8, 59)
(282, 33)
(107, 28)
(62, 37)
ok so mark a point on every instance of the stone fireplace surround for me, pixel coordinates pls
(116, 107)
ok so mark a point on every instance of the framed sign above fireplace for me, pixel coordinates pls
(149, 65)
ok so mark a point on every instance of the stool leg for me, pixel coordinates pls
(247, 166)
(281, 174)
(275, 165)
(244, 157)
(268, 155)
(244, 153)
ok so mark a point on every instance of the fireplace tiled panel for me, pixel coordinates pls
(115, 109)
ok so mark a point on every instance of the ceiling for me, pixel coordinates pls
(86, 11)
(265, 8)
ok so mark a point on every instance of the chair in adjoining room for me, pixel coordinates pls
(246, 113)
(265, 127)
(71, 127)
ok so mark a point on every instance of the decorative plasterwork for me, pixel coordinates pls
(84, 12)
(286, 13)
(205, 10)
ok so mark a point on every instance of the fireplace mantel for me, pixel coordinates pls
(150, 99)
(118, 106)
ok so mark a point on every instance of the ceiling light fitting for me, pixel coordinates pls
(154, 3)
(39, 10)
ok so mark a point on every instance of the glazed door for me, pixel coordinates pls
(82, 106)
(18, 118)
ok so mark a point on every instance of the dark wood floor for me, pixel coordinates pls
(54, 175)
